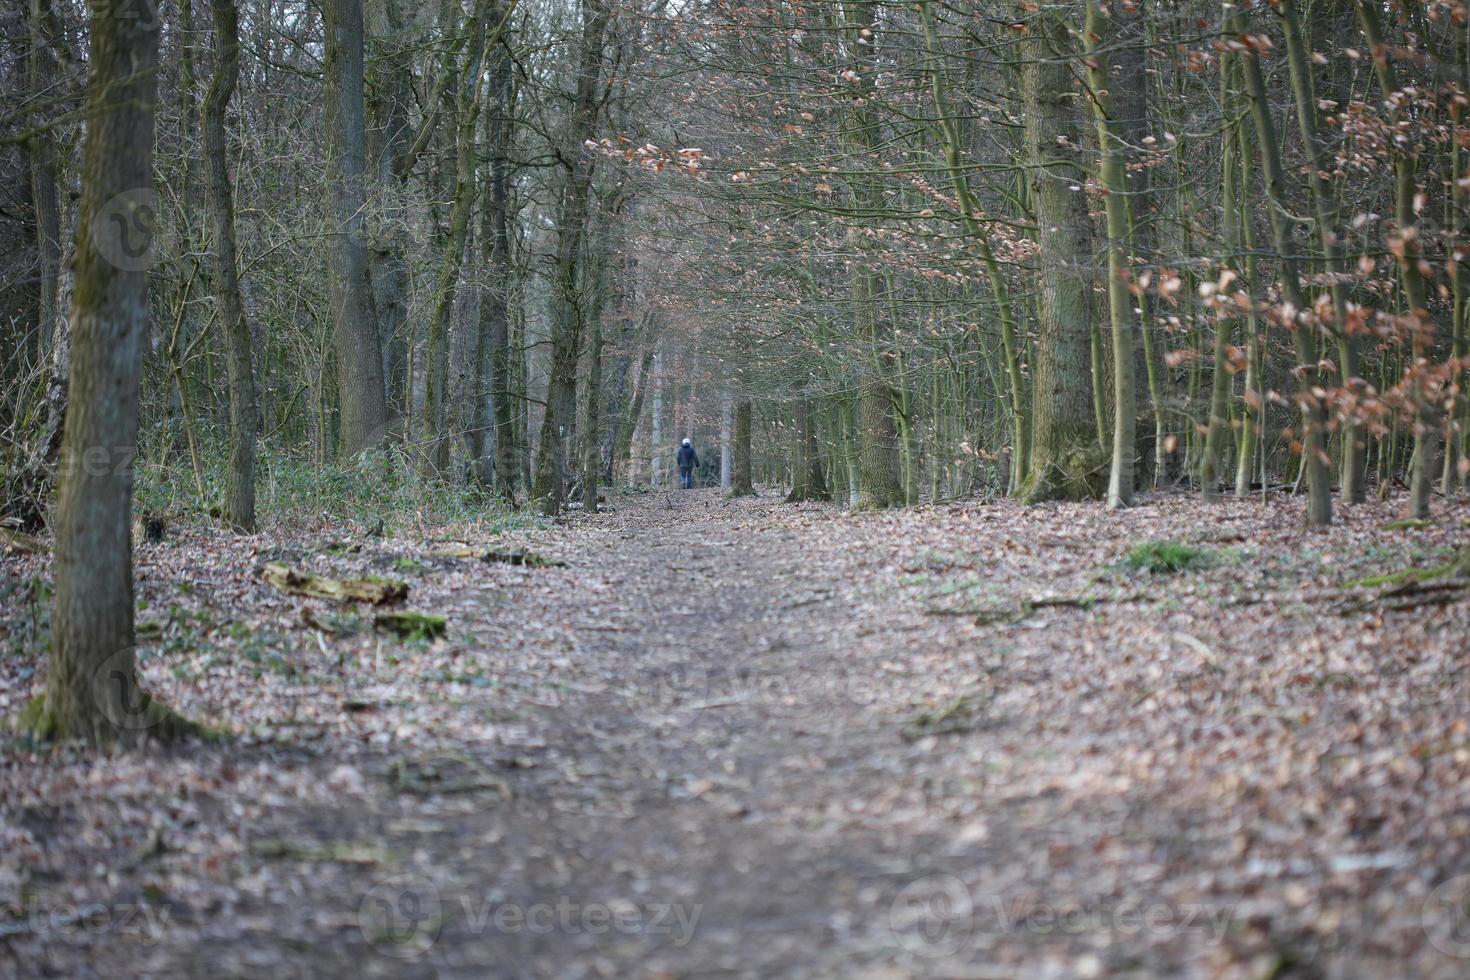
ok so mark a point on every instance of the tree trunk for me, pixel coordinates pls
(1065, 459)
(591, 437)
(1407, 250)
(1103, 32)
(389, 135)
(434, 453)
(495, 253)
(656, 425)
(1211, 460)
(1298, 56)
(571, 229)
(1253, 437)
(740, 483)
(1304, 333)
(881, 474)
(92, 691)
(727, 459)
(808, 480)
(364, 411)
(41, 71)
(239, 510)
(32, 486)
(623, 445)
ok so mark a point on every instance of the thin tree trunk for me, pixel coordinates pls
(1253, 437)
(591, 434)
(1211, 461)
(1303, 331)
(1298, 57)
(41, 71)
(239, 509)
(495, 246)
(1408, 253)
(656, 425)
(1102, 32)
(727, 422)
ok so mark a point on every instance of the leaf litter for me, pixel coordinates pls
(751, 708)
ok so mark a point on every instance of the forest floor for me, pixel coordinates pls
(756, 739)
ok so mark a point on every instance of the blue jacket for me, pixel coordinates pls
(688, 458)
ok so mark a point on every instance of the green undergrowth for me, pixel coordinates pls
(378, 488)
(1168, 557)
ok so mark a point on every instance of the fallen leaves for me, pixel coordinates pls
(763, 684)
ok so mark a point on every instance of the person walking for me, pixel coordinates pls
(688, 460)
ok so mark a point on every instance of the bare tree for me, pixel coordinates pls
(92, 690)
(360, 394)
(239, 509)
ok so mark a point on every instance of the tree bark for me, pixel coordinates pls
(881, 483)
(1103, 32)
(434, 453)
(623, 445)
(1329, 235)
(389, 135)
(495, 253)
(239, 509)
(1408, 253)
(1211, 460)
(656, 425)
(1304, 332)
(808, 478)
(360, 394)
(740, 483)
(92, 690)
(591, 439)
(727, 458)
(1065, 459)
(571, 226)
(41, 72)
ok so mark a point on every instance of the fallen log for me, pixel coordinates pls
(20, 543)
(512, 556)
(369, 588)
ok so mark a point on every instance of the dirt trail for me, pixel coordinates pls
(756, 740)
(709, 753)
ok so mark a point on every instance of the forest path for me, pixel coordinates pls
(745, 738)
(710, 774)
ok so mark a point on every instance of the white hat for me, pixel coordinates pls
(686, 442)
